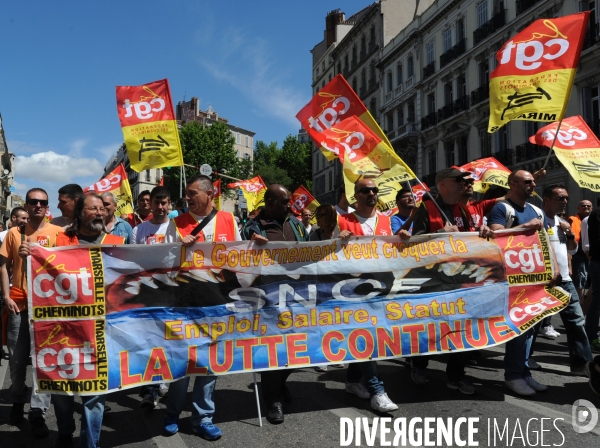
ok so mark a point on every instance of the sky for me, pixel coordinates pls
(60, 63)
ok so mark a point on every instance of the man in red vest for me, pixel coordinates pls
(87, 227)
(366, 221)
(450, 183)
(202, 223)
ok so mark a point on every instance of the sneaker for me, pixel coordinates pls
(171, 423)
(547, 332)
(580, 371)
(552, 330)
(208, 431)
(595, 345)
(358, 389)
(519, 387)
(533, 365)
(321, 369)
(463, 386)
(64, 441)
(535, 385)
(382, 403)
(594, 377)
(148, 401)
(163, 389)
(38, 426)
(16, 413)
(417, 375)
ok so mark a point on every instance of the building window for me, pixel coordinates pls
(400, 116)
(330, 175)
(463, 150)
(485, 143)
(410, 66)
(373, 108)
(448, 93)
(484, 73)
(372, 36)
(430, 53)
(247, 141)
(432, 159)
(389, 82)
(147, 175)
(431, 103)
(330, 76)
(449, 152)
(346, 62)
(447, 39)
(323, 66)
(339, 68)
(363, 79)
(372, 74)
(389, 122)
(354, 59)
(322, 83)
(399, 75)
(482, 13)
(461, 86)
(460, 30)
(317, 73)
(354, 84)
(239, 138)
(363, 45)
(247, 156)
(501, 139)
(411, 112)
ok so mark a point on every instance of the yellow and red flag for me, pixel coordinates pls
(535, 71)
(301, 199)
(149, 126)
(365, 155)
(48, 216)
(253, 190)
(217, 193)
(332, 104)
(116, 182)
(577, 147)
(486, 172)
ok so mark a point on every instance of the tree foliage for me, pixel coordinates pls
(289, 166)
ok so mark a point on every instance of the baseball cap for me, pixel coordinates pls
(450, 173)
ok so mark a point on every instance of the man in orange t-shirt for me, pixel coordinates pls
(37, 230)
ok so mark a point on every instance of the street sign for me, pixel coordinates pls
(206, 170)
(12, 189)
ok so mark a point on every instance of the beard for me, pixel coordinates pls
(95, 225)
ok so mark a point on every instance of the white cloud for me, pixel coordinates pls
(245, 65)
(48, 167)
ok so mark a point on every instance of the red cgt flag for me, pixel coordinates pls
(301, 199)
(487, 171)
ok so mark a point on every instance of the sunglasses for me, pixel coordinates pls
(42, 202)
(527, 181)
(563, 198)
(367, 190)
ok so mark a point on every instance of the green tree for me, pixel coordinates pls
(274, 175)
(203, 144)
(295, 157)
(266, 155)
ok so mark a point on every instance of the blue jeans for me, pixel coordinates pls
(593, 313)
(580, 352)
(202, 398)
(368, 369)
(19, 349)
(516, 355)
(91, 419)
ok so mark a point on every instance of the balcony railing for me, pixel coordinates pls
(453, 53)
(429, 70)
(524, 5)
(591, 36)
(398, 90)
(529, 151)
(480, 94)
(389, 96)
(495, 23)
(461, 104)
(445, 112)
(407, 128)
(409, 82)
(429, 121)
(504, 156)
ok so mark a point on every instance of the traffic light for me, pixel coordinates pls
(244, 216)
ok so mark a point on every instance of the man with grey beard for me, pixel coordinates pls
(87, 227)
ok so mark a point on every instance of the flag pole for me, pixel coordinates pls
(552, 147)
(180, 181)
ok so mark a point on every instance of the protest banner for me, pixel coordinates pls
(535, 71)
(117, 183)
(217, 193)
(335, 102)
(106, 318)
(486, 172)
(149, 126)
(365, 155)
(301, 199)
(577, 148)
(253, 191)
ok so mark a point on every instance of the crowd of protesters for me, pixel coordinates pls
(89, 218)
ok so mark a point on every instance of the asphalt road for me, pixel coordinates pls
(319, 402)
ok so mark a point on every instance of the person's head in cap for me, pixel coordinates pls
(450, 183)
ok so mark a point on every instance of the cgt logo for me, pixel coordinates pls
(143, 108)
(566, 137)
(106, 184)
(526, 259)
(330, 115)
(528, 54)
(65, 287)
(353, 141)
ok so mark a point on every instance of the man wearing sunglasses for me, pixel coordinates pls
(450, 183)
(516, 212)
(36, 230)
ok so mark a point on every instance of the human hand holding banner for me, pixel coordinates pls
(577, 148)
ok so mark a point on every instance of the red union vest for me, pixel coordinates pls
(63, 240)
(350, 222)
(436, 222)
(225, 226)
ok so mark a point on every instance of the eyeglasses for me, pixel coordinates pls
(585, 206)
(42, 202)
(563, 198)
(100, 210)
(367, 190)
(526, 181)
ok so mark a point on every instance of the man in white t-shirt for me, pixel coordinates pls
(153, 231)
(306, 217)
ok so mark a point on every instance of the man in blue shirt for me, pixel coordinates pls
(511, 213)
(405, 201)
